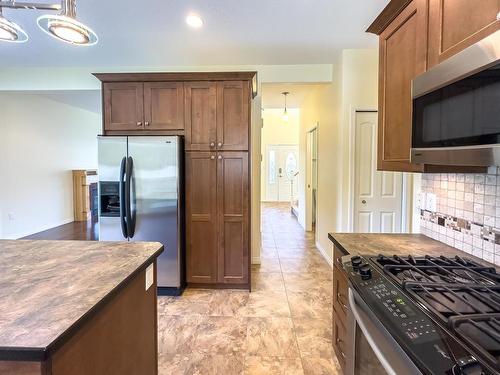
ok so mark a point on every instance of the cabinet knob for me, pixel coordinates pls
(139, 123)
(219, 144)
(146, 123)
(212, 144)
(219, 157)
(212, 157)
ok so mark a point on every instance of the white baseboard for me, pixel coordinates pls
(324, 254)
(256, 260)
(42, 228)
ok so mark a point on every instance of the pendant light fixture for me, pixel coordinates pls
(62, 26)
(10, 31)
(285, 112)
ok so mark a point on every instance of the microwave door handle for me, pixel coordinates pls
(122, 197)
(369, 337)
(129, 211)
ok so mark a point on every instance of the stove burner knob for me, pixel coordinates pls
(356, 262)
(365, 272)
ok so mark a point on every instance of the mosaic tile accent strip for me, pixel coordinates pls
(467, 214)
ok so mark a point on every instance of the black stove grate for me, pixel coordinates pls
(463, 294)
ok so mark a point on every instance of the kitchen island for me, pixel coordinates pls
(77, 307)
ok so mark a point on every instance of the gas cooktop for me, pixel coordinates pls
(463, 295)
(444, 312)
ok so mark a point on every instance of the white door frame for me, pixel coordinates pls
(406, 205)
(308, 179)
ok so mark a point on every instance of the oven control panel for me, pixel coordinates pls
(413, 323)
(391, 306)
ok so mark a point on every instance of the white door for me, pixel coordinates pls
(282, 166)
(378, 195)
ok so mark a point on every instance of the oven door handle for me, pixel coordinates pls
(368, 335)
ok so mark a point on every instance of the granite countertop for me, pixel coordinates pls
(395, 244)
(49, 287)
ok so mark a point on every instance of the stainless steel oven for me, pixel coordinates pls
(372, 348)
(456, 108)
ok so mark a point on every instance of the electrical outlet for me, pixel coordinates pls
(422, 201)
(431, 203)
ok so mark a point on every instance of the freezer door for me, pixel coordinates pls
(155, 200)
(112, 153)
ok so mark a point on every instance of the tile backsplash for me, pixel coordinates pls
(463, 211)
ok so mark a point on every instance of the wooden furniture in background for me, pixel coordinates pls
(212, 111)
(415, 35)
(82, 179)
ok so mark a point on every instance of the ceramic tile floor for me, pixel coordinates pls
(282, 327)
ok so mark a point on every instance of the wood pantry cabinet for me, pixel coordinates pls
(212, 112)
(217, 116)
(415, 35)
(217, 215)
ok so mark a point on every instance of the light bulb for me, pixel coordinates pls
(194, 21)
(69, 33)
(285, 116)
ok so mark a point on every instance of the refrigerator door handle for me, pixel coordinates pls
(122, 197)
(129, 210)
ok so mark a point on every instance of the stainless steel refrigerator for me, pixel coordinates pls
(140, 199)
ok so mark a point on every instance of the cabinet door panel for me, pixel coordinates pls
(123, 106)
(403, 55)
(164, 105)
(456, 24)
(200, 115)
(233, 103)
(201, 217)
(233, 202)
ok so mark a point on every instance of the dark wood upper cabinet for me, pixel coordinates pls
(163, 105)
(456, 24)
(233, 105)
(403, 55)
(233, 201)
(201, 217)
(200, 115)
(123, 106)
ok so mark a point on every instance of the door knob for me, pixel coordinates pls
(212, 144)
(219, 144)
(139, 123)
(146, 123)
(212, 157)
(363, 201)
(219, 157)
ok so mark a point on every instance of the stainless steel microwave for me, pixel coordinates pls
(456, 108)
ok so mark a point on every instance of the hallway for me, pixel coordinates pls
(282, 327)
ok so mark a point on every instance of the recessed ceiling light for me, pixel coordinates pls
(11, 32)
(194, 21)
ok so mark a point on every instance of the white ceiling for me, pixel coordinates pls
(154, 33)
(272, 96)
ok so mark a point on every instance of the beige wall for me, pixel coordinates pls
(332, 106)
(274, 132)
(41, 141)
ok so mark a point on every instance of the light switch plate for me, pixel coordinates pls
(150, 276)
